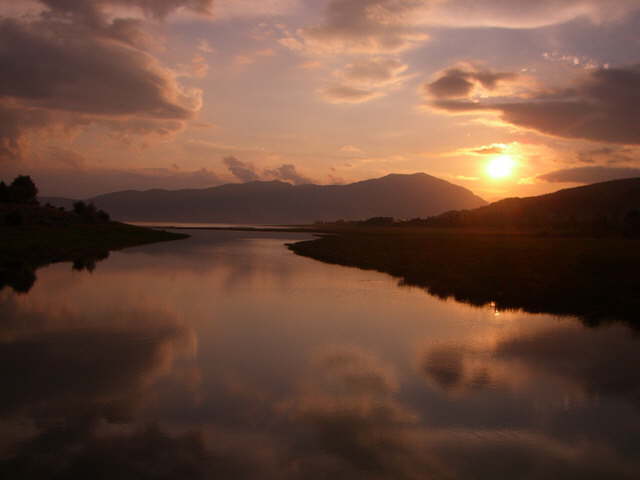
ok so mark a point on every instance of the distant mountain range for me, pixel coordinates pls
(612, 203)
(400, 196)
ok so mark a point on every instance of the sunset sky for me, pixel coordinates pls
(507, 98)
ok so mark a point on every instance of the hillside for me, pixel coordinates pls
(401, 196)
(59, 202)
(608, 204)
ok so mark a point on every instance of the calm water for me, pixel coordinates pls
(227, 356)
(208, 225)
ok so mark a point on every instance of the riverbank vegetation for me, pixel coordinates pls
(596, 278)
(33, 235)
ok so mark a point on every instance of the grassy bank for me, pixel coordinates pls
(595, 278)
(25, 248)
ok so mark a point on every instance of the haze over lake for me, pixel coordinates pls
(227, 356)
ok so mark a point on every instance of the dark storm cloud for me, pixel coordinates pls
(241, 170)
(75, 64)
(589, 174)
(603, 106)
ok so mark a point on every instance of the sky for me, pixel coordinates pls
(506, 98)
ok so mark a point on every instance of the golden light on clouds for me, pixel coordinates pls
(500, 167)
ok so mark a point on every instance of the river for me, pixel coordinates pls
(227, 356)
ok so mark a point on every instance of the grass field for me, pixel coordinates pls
(596, 278)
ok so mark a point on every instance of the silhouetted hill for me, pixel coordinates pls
(66, 203)
(608, 204)
(401, 196)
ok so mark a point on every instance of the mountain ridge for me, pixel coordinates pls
(397, 195)
(603, 202)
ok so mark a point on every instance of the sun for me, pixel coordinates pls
(500, 167)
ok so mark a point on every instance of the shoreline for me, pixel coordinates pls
(24, 249)
(592, 278)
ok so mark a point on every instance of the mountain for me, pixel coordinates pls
(400, 196)
(612, 203)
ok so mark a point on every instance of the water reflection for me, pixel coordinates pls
(226, 356)
(20, 275)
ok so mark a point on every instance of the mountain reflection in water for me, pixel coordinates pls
(227, 356)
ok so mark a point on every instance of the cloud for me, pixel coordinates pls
(75, 63)
(560, 351)
(45, 357)
(94, 11)
(205, 47)
(246, 172)
(14, 121)
(77, 450)
(601, 106)
(495, 149)
(520, 13)
(288, 173)
(463, 81)
(66, 173)
(525, 360)
(348, 421)
(374, 71)
(445, 366)
(226, 9)
(590, 174)
(249, 58)
(608, 155)
(241, 170)
(392, 26)
(365, 79)
(348, 94)
(351, 149)
(351, 423)
(361, 26)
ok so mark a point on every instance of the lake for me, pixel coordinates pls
(227, 356)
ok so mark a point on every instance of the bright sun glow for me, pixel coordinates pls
(500, 167)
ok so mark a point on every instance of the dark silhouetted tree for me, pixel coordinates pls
(14, 219)
(4, 193)
(23, 190)
(89, 213)
(632, 223)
